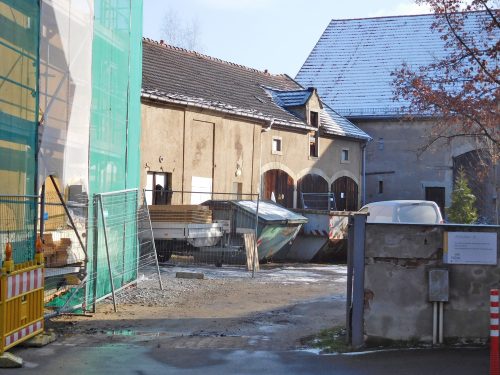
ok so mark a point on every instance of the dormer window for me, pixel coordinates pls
(314, 118)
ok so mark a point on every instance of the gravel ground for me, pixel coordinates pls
(227, 309)
(148, 293)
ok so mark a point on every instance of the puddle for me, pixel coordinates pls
(121, 332)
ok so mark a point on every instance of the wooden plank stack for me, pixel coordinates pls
(193, 214)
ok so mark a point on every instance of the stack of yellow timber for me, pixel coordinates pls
(181, 214)
(55, 253)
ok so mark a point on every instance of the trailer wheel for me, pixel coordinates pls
(163, 250)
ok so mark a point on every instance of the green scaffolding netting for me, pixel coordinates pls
(114, 140)
(19, 30)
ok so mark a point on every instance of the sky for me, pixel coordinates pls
(276, 35)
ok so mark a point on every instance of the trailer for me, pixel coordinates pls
(179, 228)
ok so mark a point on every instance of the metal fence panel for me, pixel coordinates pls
(212, 232)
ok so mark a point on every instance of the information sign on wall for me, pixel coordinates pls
(470, 248)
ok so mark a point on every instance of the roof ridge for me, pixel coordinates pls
(402, 16)
(211, 58)
(283, 90)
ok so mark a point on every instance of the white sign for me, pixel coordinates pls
(470, 248)
(201, 185)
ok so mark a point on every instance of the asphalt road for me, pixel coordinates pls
(154, 358)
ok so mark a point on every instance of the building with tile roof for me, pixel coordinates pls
(351, 66)
(211, 125)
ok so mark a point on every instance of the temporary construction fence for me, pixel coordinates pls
(120, 250)
(213, 232)
(21, 275)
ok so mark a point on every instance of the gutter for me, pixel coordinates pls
(216, 109)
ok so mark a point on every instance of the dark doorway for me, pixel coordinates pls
(346, 194)
(436, 194)
(279, 184)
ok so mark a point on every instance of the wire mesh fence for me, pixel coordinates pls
(201, 227)
(121, 253)
(318, 201)
(17, 226)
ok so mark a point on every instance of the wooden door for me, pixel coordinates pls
(345, 190)
(278, 183)
(312, 183)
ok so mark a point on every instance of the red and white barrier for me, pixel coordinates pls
(16, 336)
(24, 282)
(494, 344)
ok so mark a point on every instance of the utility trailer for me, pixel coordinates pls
(181, 228)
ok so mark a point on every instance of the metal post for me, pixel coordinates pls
(42, 211)
(494, 333)
(441, 321)
(152, 239)
(359, 280)
(95, 253)
(68, 214)
(107, 253)
(256, 252)
(350, 250)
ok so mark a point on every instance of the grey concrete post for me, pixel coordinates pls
(358, 295)
(350, 249)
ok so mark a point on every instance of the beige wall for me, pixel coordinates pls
(296, 161)
(189, 140)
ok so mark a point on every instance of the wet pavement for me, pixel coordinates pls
(260, 342)
(155, 358)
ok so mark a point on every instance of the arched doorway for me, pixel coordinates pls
(312, 183)
(345, 190)
(278, 183)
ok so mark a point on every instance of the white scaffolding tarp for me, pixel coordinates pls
(65, 90)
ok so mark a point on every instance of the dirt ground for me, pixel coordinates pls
(226, 309)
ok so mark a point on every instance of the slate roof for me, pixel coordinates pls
(351, 64)
(331, 122)
(177, 76)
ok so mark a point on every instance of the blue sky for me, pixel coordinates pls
(277, 35)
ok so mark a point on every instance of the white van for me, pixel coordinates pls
(403, 211)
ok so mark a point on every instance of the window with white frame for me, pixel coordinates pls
(344, 156)
(277, 146)
(313, 145)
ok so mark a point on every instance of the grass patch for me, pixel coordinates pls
(331, 340)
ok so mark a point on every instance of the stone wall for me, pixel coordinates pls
(398, 258)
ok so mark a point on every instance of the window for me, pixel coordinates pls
(314, 119)
(313, 145)
(380, 143)
(381, 187)
(159, 188)
(344, 158)
(276, 146)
